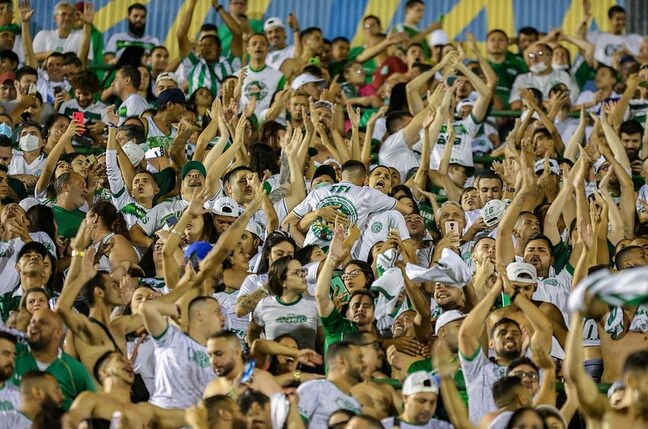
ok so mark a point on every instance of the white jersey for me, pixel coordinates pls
(238, 325)
(318, 399)
(590, 96)
(606, 45)
(394, 152)
(19, 165)
(182, 370)
(391, 422)
(123, 201)
(9, 397)
(480, 375)
(49, 41)
(462, 151)
(9, 257)
(276, 57)
(251, 283)
(120, 41)
(94, 111)
(377, 230)
(356, 202)
(543, 84)
(299, 319)
(134, 105)
(165, 214)
(156, 141)
(47, 87)
(261, 85)
(14, 419)
(144, 363)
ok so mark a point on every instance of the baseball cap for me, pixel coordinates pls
(273, 22)
(438, 37)
(617, 385)
(7, 76)
(134, 152)
(599, 163)
(521, 272)
(447, 317)
(463, 103)
(166, 76)
(193, 165)
(324, 104)
(27, 203)
(419, 382)
(304, 79)
(33, 245)
(173, 95)
(325, 170)
(253, 227)
(198, 248)
(553, 166)
(225, 206)
(493, 211)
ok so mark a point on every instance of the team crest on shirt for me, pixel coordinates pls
(292, 319)
(323, 229)
(200, 358)
(256, 89)
(376, 227)
(6, 406)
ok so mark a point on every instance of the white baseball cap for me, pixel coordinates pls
(419, 382)
(303, 79)
(134, 152)
(521, 272)
(273, 22)
(447, 317)
(599, 163)
(553, 166)
(225, 206)
(493, 211)
(437, 38)
(166, 76)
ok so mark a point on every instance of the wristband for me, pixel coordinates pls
(79, 253)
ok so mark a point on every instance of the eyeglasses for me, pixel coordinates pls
(523, 374)
(300, 272)
(351, 274)
(538, 54)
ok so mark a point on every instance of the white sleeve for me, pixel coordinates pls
(111, 46)
(308, 400)
(248, 286)
(115, 179)
(258, 313)
(306, 206)
(379, 202)
(40, 42)
(518, 84)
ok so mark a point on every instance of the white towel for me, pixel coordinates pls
(450, 270)
(627, 287)
(387, 287)
(279, 408)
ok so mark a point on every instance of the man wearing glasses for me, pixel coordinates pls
(541, 75)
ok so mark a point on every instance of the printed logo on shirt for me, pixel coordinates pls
(6, 406)
(256, 89)
(200, 358)
(376, 227)
(343, 403)
(292, 319)
(138, 212)
(323, 229)
(611, 49)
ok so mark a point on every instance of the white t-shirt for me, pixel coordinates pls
(156, 141)
(260, 84)
(480, 375)
(606, 44)
(144, 363)
(9, 257)
(134, 105)
(49, 40)
(394, 152)
(97, 109)
(14, 419)
(299, 319)
(123, 201)
(120, 41)
(276, 57)
(377, 230)
(390, 422)
(356, 202)
(543, 84)
(238, 325)
(251, 283)
(462, 152)
(166, 213)
(182, 370)
(46, 87)
(19, 165)
(9, 397)
(318, 399)
(589, 96)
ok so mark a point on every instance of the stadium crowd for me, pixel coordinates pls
(410, 233)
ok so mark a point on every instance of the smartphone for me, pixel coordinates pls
(32, 89)
(78, 117)
(58, 90)
(451, 227)
(451, 80)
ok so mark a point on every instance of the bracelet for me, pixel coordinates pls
(76, 253)
(297, 376)
(173, 231)
(515, 295)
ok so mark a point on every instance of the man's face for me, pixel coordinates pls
(26, 81)
(448, 298)
(239, 186)
(538, 254)
(30, 264)
(380, 179)
(7, 91)
(4, 184)
(415, 13)
(355, 364)
(415, 225)
(524, 41)
(42, 329)
(635, 258)
(7, 359)
(119, 367)
(238, 7)
(414, 54)
(71, 71)
(6, 14)
(604, 79)
(631, 144)
(496, 43)
(543, 144)
(222, 223)
(404, 324)
(249, 242)
(538, 53)
(340, 50)
(5, 156)
(209, 49)
(450, 334)
(489, 189)
(222, 356)
(315, 42)
(64, 17)
(193, 180)
(470, 200)
(84, 98)
(527, 226)
(420, 407)
(7, 39)
(370, 27)
(277, 37)
(618, 23)
(530, 378)
(55, 68)
(137, 18)
(451, 213)
(258, 47)
(485, 248)
(114, 294)
(507, 341)
(77, 188)
(372, 357)
(295, 105)
(13, 211)
(361, 310)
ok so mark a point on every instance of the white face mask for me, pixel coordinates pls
(29, 143)
(538, 68)
(560, 66)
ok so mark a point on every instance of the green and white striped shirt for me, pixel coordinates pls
(204, 75)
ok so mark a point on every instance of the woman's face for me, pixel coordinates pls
(287, 364)
(295, 277)
(529, 420)
(146, 78)
(80, 165)
(554, 423)
(280, 250)
(36, 301)
(58, 128)
(158, 258)
(239, 259)
(140, 296)
(62, 167)
(354, 278)
(203, 97)
(195, 227)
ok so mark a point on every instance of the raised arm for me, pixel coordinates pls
(55, 154)
(182, 34)
(236, 47)
(473, 325)
(446, 367)
(87, 17)
(485, 93)
(413, 87)
(420, 304)
(336, 254)
(391, 39)
(218, 168)
(26, 13)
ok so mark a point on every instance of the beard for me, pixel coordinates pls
(37, 344)
(509, 354)
(6, 372)
(137, 30)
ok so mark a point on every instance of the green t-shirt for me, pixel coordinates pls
(225, 35)
(506, 72)
(71, 375)
(68, 221)
(8, 303)
(335, 327)
(370, 65)
(460, 382)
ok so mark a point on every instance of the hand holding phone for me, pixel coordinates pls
(79, 118)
